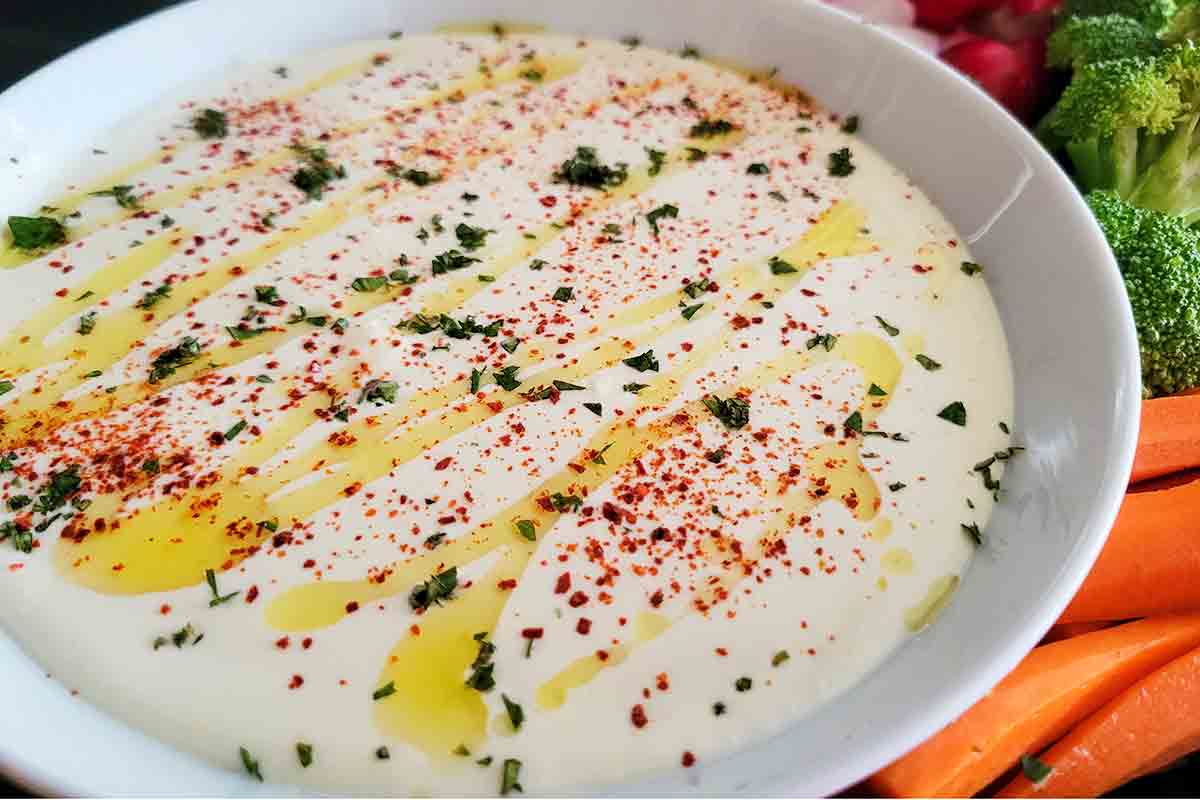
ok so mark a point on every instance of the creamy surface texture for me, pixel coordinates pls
(670, 438)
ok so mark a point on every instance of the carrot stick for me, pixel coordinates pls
(1169, 439)
(1056, 686)
(1068, 630)
(1142, 729)
(1151, 562)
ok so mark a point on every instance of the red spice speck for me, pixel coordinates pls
(164, 609)
(296, 682)
(352, 606)
(577, 599)
(282, 642)
(306, 642)
(252, 593)
(689, 758)
(563, 583)
(584, 626)
(638, 716)
(532, 633)
(507, 584)
(445, 462)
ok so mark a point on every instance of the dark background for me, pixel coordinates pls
(34, 34)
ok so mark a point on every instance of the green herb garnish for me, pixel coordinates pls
(36, 233)
(708, 128)
(891, 329)
(210, 577)
(665, 210)
(840, 164)
(956, 412)
(211, 124)
(645, 362)
(585, 169)
(734, 412)
(439, 587)
(927, 362)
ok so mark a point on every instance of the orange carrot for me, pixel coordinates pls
(1142, 729)
(1151, 563)
(1068, 630)
(1056, 686)
(1169, 439)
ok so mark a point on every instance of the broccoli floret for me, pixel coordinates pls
(1080, 41)
(1154, 14)
(1159, 257)
(1106, 112)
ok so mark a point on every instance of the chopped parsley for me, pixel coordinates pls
(510, 775)
(87, 323)
(506, 378)
(510, 344)
(417, 177)
(217, 598)
(690, 311)
(1035, 769)
(370, 283)
(537, 264)
(718, 709)
(851, 124)
(266, 294)
(439, 587)
(154, 297)
(516, 714)
(317, 172)
(526, 529)
(250, 764)
(971, 268)
(840, 164)
(470, 237)
(696, 288)
(826, 340)
(734, 412)
(564, 503)
(564, 294)
(382, 753)
(122, 193)
(708, 128)
(36, 233)
(956, 413)
(168, 361)
(897, 486)
(301, 315)
(585, 169)
(779, 658)
(876, 391)
(450, 261)
(758, 168)
(657, 159)
(481, 679)
(304, 752)
(634, 388)
(379, 392)
(476, 380)
(973, 531)
(695, 154)
(211, 124)
(646, 362)
(927, 362)
(387, 690)
(433, 540)
(21, 537)
(854, 422)
(891, 329)
(241, 334)
(780, 267)
(743, 684)
(665, 210)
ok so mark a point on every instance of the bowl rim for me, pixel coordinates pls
(32, 768)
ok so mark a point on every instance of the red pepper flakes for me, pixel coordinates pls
(662, 682)
(164, 609)
(282, 642)
(352, 606)
(637, 716)
(688, 759)
(532, 633)
(584, 626)
(507, 584)
(577, 599)
(252, 593)
(656, 599)
(306, 642)
(296, 682)
(445, 462)
(563, 584)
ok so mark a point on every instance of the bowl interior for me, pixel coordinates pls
(1060, 297)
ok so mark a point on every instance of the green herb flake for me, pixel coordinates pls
(854, 422)
(690, 311)
(382, 753)
(970, 268)
(695, 154)
(371, 283)
(840, 164)
(417, 177)
(317, 172)
(387, 690)
(481, 678)
(657, 159)
(87, 323)
(709, 128)
(537, 264)
(439, 587)
(927, 362)
(181, 355)
(758, 168)
(665, 210)
(510, 345)
(476, 380)
(211, 124)
(777, 195)
(733, 412)
(510, 775)
(851, 124)
(154, 297)
(779, 658)
(743, 684)
(250, 764)
(825, 340)
(598, 456)
(304, 752)
(876, 391)
(595, 408)
(123, 194)
(516, 714)
(210, 577)
(471, 238)
(506, 378)
(564, 294)
(36, 233)
(956, 413)
(645, 362)
(237, 428)
(891, 329)
(780, 267)
(526, 529)
(973, 531)
(450, 261)
(1035, 769)
(897, 486)
(585, 169)
(634, 388)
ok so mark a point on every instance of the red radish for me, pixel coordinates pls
(946, 15)
(1010, 73)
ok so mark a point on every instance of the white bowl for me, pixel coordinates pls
(1069, 328)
